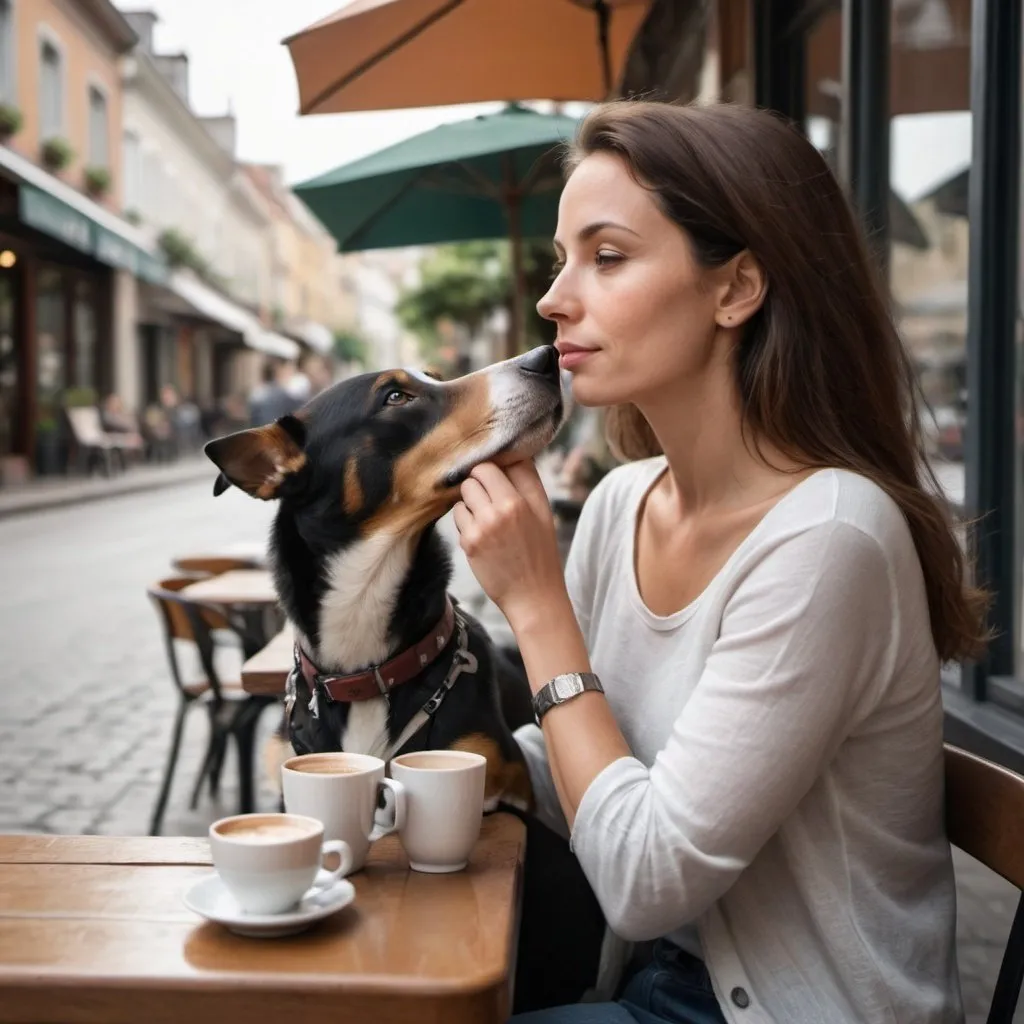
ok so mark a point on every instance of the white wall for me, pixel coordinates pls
(181, 187)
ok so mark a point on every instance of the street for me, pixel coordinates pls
(86, 697)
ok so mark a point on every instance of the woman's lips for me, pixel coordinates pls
(570, 356)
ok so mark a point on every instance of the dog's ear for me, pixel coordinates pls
(260, 460)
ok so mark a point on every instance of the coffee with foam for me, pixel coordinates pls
(264, 832)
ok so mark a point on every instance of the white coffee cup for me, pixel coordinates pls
(444, 807)
(269, 861)
(342, 791)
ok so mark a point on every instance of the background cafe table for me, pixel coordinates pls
(246, 596)
(93, 931)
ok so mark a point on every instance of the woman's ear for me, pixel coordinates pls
(743, 289)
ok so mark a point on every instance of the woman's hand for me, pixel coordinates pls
(507, 531)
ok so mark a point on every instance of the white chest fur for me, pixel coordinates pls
(366, 730)
(362, 588)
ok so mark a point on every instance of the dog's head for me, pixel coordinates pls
(389, 450)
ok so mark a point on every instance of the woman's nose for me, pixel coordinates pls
(554, 304)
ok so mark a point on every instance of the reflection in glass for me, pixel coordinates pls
(50, 347)
(85, 335)
(10, 409)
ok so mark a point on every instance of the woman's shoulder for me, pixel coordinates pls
(851, 503)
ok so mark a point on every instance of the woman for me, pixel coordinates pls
(765, 596)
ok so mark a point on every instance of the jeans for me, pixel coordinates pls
(674, 989)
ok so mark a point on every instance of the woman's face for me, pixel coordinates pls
(635, 312)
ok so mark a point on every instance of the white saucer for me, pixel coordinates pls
(210, 898)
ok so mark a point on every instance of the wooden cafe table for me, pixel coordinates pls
(93, 931)
(247, 596)
(237, 587)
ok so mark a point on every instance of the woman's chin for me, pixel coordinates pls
(594, 393)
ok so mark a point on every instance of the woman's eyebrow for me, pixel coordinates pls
(592, 229)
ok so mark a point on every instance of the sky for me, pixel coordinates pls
(236, 58)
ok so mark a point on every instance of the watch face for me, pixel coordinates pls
(568, 686)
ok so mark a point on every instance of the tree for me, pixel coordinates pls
(465, 283)
(350, 347)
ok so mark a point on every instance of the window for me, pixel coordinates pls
(85, 334)
(99, 133)
(132, 175)
(7, 79)
(51, 91)
(153, 188)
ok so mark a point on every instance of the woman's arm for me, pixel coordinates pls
(550, 623)
(805, 647)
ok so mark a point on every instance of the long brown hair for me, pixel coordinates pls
(821, 370)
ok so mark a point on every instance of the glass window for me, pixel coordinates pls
(10, 391)
(8, 83)
(85, 334)
(132, 175)
(929, 169)
(99, 128)
(51, 91)
(51, 368)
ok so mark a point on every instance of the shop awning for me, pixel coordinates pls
(216, 307)
(316, 336)
(55, 208)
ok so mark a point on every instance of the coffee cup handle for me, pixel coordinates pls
(344, 851)
(394, 801)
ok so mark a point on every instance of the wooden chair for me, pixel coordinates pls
(232, 712)
(985, 819)
(92, 444)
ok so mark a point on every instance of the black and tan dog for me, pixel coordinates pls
(384, 662)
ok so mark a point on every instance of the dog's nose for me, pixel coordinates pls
(542, 361)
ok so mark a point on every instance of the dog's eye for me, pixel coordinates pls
(396, 397)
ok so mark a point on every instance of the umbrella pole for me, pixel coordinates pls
(516, 333)
(514, 340)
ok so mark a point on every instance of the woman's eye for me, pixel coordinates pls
(556, 268)
(396, 397)
(605, 258)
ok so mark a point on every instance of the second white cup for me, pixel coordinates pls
(445, 807)
(342, 791)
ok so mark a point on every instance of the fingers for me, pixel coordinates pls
(474, 497)
(462, 517)
(494, 481)
(526, 480)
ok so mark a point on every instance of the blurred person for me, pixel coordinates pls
(272, 399)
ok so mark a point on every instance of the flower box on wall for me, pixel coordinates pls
(10, 121)
(57, 154)
(97, 181)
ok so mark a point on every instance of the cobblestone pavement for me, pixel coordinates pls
(86, 700)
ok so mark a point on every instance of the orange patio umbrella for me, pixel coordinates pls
(383, 54)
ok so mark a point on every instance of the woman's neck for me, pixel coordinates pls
(713, 464)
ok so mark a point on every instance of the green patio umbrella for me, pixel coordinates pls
(491, 176)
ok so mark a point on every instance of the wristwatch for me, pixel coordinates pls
(563, 688)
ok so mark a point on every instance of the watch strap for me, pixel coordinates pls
(562, 689)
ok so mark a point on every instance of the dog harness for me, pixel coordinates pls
(464, 661)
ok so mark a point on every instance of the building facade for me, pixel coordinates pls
(206, 333)
(65, 255)
(307, 302)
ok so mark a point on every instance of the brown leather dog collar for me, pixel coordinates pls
(381, 680)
